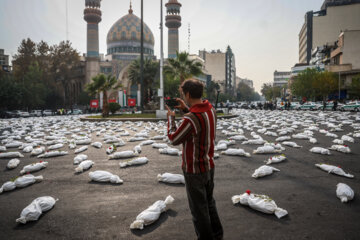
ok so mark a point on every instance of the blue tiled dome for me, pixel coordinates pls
(124, 36)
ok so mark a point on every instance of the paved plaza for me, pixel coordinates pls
(91, 210)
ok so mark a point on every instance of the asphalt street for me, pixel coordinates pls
(89, 210)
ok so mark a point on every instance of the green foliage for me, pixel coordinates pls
(182, 68)
(211, 91)
(312, 84)
(270, 92)
(171, 86)
(223, 97)
(102, 83)
(84, 98)
(355, 87)
(246, 93)
(151, 68)
(113, 107)
(10, 92)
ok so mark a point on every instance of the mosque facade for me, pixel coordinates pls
(123, 46)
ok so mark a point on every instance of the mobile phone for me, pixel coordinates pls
(172, 103)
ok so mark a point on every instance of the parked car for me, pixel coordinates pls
(329, 106)
(309, 106)
(76, 112)
(47, 112)
(5, 114)
(23, 113)
(36, 113)
(293, 105)
(351, 106)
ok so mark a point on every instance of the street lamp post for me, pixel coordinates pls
(161, 59)
(142, 57)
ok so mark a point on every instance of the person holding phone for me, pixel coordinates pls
(197, 135)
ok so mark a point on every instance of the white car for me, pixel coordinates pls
(23, 114)
(47, 113)
(35, 113)
(308, 106)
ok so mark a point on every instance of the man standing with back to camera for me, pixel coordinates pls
(197, 134)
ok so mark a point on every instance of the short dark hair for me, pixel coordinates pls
(194, 87)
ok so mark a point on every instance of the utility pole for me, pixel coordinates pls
(161, 58)
(142, 58)
(339, 85)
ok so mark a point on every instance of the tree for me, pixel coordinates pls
(10, 92)
(182, 67)
(25, 56)
(102, 83)
(171, 86)
(151, 69)
(114, 107)
(324, 84)
(270, 92)
(64, 58)
(211, 90)
(302, 85)
(354, 90)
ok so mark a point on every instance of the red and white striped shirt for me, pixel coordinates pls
(197, 134)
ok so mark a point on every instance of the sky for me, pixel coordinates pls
(263, 34)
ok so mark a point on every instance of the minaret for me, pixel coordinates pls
(173, 22)
(92, 15)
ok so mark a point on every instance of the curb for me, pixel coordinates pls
(140, 119)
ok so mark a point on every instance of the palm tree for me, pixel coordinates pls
(102, 83)
(151, 68)
(182, 67)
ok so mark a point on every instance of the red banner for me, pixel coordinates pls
(112, 101)
(132, 102)
(94, 103)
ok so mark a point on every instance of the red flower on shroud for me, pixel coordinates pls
(248, 192)
(41, 161)
(339, 167)
(28, 173)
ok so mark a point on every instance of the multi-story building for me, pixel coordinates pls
(281, 78)
(323, 27)
(4, 61)
(221, 66)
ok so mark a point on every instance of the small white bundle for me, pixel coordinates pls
(269, 133)
(291, 144)
(119, 143)
(79, 158)
(152, 213)
(147, 142)
(313, 140)
(340, 148)
(277, 146)
(346, 138)
(320, 150)
(34, 210)
(264, 171)
(220, 146)
(96, 144)
(72, 145)
(83, 166)
(254, 141)
(171, 178)
(301, 136)
(344, 192)
(239, 138)
(227, 142)
(81, 149)
(135, 139)
(13, 163)
(260, 203)
(236, 152)
(123, 154)
(276, 159)
(266, 149)
(56, 146)
(13, 144)
(338, 141)
(11, 155)
(159, 145)
(28, 149)
(333, 135)
(52, 154)
(170, 151)
(158, 137)
(2, 149)
(110, 149)
(137, 148)
(85, 141)
(104, 176)
(20, 182)
(136, 161)
(37, 151)
(34, 167)
(334, 169)
(283, 138)
(216, 155)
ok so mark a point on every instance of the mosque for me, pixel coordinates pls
(123, 45)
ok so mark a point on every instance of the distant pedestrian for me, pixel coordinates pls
(335, 105)
(324, 105)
